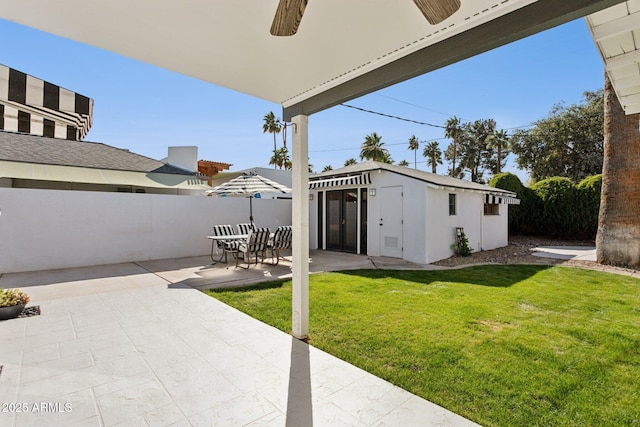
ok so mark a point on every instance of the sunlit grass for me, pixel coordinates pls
(500, 345)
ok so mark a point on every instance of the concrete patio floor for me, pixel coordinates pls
(138, 344)
(582, 253)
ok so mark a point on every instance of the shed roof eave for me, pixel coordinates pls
(437, 181)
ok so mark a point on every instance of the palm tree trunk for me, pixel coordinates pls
(499, 158)
(434, 164)
(453, 168)
(618, 238)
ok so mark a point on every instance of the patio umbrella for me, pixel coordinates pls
(248, 185)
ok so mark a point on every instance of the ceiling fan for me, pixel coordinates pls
(289, 13)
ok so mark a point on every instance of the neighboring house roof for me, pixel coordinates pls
(25, 148)
(30, 157)
(431, 178)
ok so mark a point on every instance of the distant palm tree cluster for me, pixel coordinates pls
(372, 149)
(476, 147)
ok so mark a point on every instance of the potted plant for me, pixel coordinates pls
(12, 302)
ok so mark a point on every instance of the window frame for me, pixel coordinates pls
(453, 206)
(494, 209)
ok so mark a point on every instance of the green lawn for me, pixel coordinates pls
(500, 345)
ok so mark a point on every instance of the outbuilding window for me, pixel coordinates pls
(452, 204)
(491, 209)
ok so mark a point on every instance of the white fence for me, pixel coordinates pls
(49, 229)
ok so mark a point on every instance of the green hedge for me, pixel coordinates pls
(554, 207)
(521, 219)
(589, 206)
(559, 206)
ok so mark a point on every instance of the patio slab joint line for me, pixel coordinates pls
(152, 272)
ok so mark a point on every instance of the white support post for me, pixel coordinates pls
(300, 217)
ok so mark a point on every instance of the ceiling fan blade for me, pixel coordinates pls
(288, 17)
(437, 11)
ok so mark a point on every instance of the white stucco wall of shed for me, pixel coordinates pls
(412, 209)
(428, 233)
(485, 232)
(495, 229)
(441, 226)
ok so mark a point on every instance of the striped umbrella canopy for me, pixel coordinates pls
(248, 185)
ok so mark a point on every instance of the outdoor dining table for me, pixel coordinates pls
(227, 238)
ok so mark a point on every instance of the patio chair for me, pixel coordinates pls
(281, 240)
(245, 228)
(226, 246)
(256, 244)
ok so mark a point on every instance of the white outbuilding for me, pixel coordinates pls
(379, 209)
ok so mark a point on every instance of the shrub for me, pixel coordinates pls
(559, 206)
(588, 206)
(521, 220)
(462, 248)
(554, 207)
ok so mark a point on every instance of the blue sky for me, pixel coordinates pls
(146, 109)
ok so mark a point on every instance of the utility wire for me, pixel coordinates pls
(415, 105)
(393, 117)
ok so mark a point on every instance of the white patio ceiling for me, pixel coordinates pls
(343, 49)
(616, 31)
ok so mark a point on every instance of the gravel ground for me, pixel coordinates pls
(520, 251)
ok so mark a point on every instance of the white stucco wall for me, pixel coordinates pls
(495, 229)
(441, 226)
(48, 229)
(412, 209)
(485, 232)
(428, 231)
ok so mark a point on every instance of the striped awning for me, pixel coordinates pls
(353, 180)
(34, 106)
(505, 200)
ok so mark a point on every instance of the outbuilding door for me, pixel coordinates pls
(391, 221)
(342, 220)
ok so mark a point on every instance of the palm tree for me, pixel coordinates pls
(280, 159)
(414, 144)
(350, 161)
(403, 163)
(327, 168)
(386, 158)
(434, 155)
(618, 237)
(453, 130)
(272, 125)
(372, 149)
(500, 141)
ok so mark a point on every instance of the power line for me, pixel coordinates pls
(415, 105)
(393, 117)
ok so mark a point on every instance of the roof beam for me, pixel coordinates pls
(627, 83)
(616, 26)
(521, 23)
(635, 109)
(623, 60)
(630, 101)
